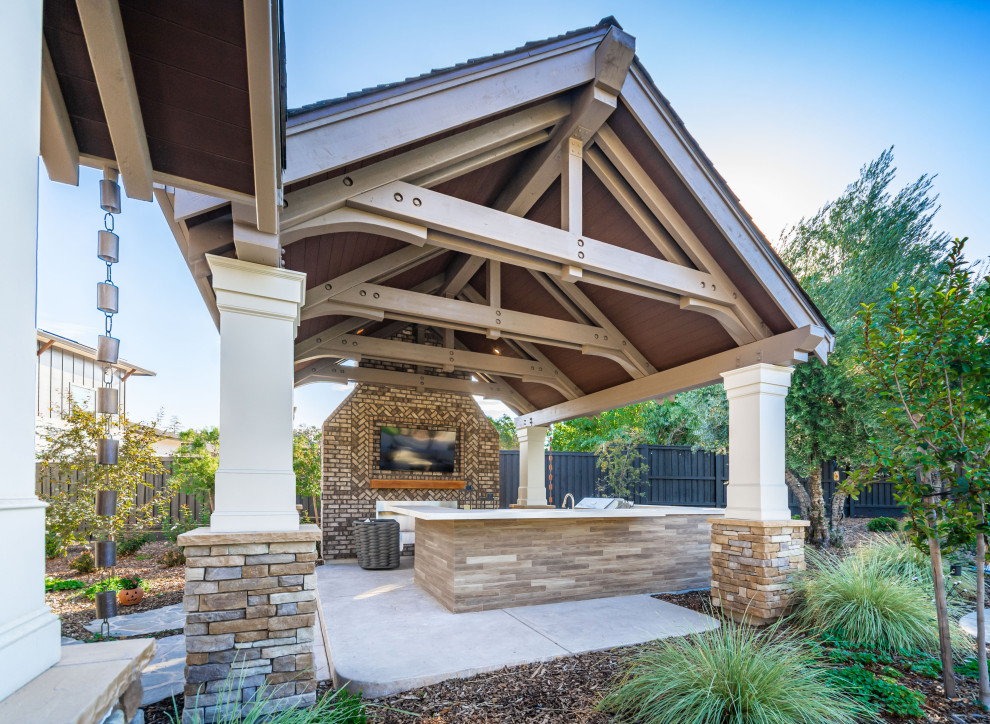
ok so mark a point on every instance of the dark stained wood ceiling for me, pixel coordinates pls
(190, 71)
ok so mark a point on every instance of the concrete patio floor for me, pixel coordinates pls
(386, 635)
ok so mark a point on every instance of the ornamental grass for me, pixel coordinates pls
(731, 675)
(870, 599)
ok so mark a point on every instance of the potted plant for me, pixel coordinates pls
(130, 592)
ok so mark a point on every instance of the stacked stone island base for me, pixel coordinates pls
(752, 563)
(250, 605)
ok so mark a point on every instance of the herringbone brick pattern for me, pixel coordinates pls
(351, 447)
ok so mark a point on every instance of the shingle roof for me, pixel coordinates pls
(603, 25)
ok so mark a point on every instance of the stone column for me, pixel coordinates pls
(259, 313)
(29, 632)
(756, 546)
(532, 468)
(250, 619)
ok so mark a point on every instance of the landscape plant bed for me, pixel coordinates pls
(164, 587)
(567, 689)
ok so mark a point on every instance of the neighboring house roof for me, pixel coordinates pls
(48, 339)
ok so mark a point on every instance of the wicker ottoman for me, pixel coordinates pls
(377, 543)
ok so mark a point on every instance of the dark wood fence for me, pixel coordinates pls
(153, 485)
(674, 475)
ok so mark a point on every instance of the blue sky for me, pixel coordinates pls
(789, 100)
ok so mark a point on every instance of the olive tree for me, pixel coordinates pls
(844, 256)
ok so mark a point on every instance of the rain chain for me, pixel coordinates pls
(107, 403)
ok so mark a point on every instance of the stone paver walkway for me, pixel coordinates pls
(165, 675)
(146, 622)
(387, 635)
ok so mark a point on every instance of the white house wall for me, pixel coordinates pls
(58, 369)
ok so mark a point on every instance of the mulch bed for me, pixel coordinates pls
(164, 587)
(699, 601)
(552, 692)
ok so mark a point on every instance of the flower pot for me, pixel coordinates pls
(130, 596)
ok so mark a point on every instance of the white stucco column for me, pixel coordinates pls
(532, 470)
(259, 313)
(29, 631)
(756, 489)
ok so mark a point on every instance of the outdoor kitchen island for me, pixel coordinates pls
(478, 560)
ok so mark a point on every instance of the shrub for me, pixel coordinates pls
(114, 584)
(57, 584)
(173, 557)
(883, 525)
(866, 604)
(83, 563)
(130, 543)
(731, 674)
(882, 691)
(54, 545)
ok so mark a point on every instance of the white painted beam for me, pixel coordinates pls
(58, 144)
(358, 347)
(345, 219)
(435, 178)
(181, 236)
(107, 46)
(389, 265)
(670, 139)
(783, 349)
(188, 204)
(526, 238)
(494, 283)
(640, 365)
(642, 189)
(263, 96)
(592, 108)
(460, 273)
(354, 132)
(481, 318)
(430, 164)
(251, 243)
(558, 295)
(524, 348)
(327, 371)
(633, 206)
(571, 186)
(307, 347)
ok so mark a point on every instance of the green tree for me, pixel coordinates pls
(506, 428)
(926, 358)
(618, 466)
(845, 255)
(307, 463)
(194, 468)
(68, 453)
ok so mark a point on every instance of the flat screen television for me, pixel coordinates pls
(410, 448)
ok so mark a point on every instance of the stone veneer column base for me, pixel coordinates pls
(250, 605)
(752, 563)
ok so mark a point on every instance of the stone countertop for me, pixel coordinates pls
(422, 512)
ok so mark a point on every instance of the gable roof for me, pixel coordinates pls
(439, 201)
